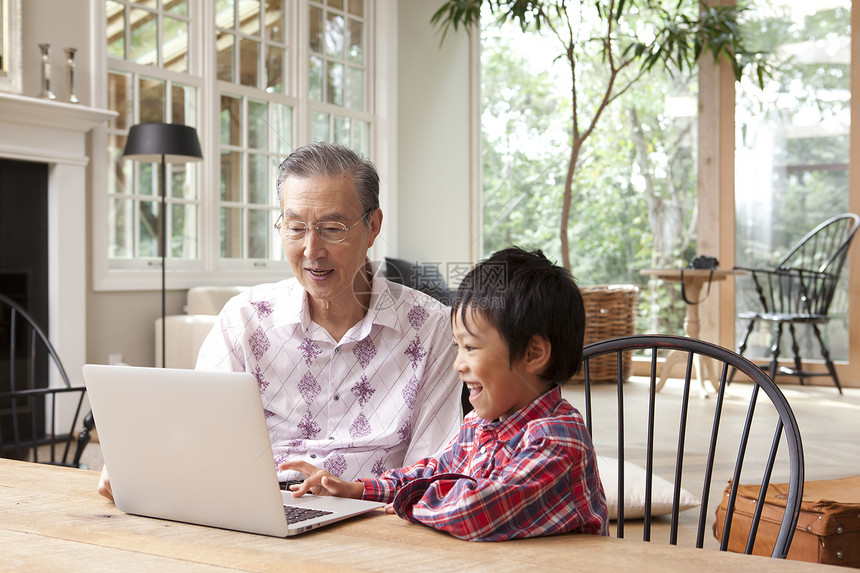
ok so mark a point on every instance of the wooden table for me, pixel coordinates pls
(52, 519)
(694, 280)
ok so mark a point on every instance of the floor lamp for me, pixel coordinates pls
(162, 143)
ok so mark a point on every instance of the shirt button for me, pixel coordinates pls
(337, 350)
(331, 437)
(336, 397)
(313, 456)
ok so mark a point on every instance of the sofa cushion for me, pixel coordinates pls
(209, 299)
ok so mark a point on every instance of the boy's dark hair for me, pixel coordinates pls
(522, 294)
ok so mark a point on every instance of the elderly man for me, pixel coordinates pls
(355, 372)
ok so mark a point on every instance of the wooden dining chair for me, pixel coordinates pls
(745, 434)
(30, 413)
(799, 291)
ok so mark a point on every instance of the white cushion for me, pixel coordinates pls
(209, 299)
(634, 491)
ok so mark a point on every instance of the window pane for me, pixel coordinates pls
(334, 87)
(249, 14)
(231, 233)
(231, 120)
(225, 14)
(258, 236)
(315, 30)
(356, 7)
(148, 179)
(315, 78)
(258, 125)
(224, 46)
(341, 131)
(120, 245)
(249, 62)
(231, 182)
(120, 169)
(361, 137)
(120, 100)
(183, 244)
(275, 20)
(791, 150)
(180, 186)
(320, 126)
(143, 48)
(334, 35)
(337, 4)
(274, 69)
(177, 7)
(151, 100)
(148, 229)
(355, 42)
(115, 13)
(282, 125)
(175, 47)
(258, 180)
(183, 104)
(355, 88)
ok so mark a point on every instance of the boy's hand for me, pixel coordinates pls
(104, 488)
(321, 482)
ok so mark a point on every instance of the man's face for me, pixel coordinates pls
(329, 272)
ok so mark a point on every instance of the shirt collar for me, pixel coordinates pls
(382, 311)
(539, 408)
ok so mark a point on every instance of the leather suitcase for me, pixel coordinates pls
(828, 529)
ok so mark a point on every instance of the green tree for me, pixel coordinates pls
(610, 46)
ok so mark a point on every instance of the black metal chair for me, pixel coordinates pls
(799, 290)
(653, 433)
(28, 406)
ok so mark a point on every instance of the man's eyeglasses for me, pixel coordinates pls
(329, 231)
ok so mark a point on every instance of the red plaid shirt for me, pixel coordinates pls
(532, 474)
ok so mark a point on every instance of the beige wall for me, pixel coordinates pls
(429, 161)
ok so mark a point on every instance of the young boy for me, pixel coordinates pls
(523, 464)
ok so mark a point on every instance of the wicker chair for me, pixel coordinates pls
(799, 290)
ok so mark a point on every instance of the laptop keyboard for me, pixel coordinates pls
(296, 514)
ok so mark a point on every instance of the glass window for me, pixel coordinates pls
(791, 149)
(157, 75)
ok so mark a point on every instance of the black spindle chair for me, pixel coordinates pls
(735, 436)
(29, 405)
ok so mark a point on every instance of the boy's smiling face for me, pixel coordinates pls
(497, 388)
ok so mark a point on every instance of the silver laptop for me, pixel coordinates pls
(192, 446)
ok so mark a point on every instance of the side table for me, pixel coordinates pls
(694, 280)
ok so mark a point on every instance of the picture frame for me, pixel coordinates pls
(10, 46)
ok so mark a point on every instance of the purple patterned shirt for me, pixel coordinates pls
(384, 396)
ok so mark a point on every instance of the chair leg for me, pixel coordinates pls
(795, 349)
(742, 348)
(84, 438)
(825, 352)
(774, 351)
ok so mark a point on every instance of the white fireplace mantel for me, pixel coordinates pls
(55, 133)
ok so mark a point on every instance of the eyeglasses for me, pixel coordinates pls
(328, 231)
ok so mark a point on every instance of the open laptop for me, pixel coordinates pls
(192, 446)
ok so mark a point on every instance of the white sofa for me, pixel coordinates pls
(185, 332)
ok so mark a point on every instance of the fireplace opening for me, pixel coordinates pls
(24, 279)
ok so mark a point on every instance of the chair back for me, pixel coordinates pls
(805, 280)
(746, 434)
(35, 392)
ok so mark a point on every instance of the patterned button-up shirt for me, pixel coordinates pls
(383, 396)
(533, 474)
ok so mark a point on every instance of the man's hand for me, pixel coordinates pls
(104, 485)
(321, 482)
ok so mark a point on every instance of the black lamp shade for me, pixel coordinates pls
(150, 141)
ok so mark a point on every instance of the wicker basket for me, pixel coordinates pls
(610, 312)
